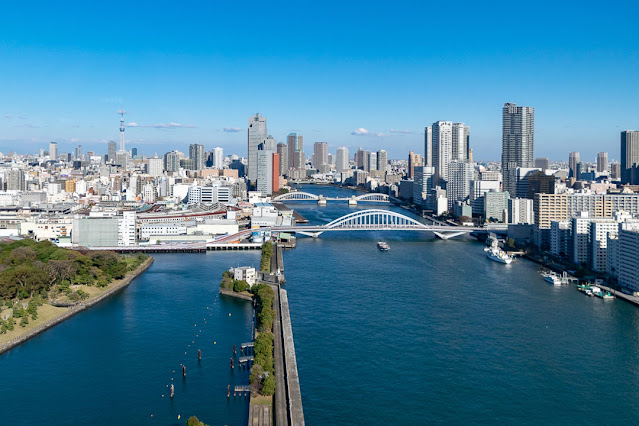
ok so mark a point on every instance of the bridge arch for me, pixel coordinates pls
(297, 195)
(373, 196)
(377, 219)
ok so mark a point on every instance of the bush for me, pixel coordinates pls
(268, 385)
(24, 321)
(239, 286)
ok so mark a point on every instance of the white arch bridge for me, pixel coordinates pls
(306, 196)
(381, 220)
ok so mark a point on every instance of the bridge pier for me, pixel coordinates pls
(352, 201)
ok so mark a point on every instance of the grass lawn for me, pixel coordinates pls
(45, 313)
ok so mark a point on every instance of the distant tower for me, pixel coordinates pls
(122, 112)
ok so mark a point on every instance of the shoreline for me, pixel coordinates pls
(79, 307)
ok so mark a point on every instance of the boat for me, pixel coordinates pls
(596, 291)
(552, 278)
(498, 255)
(382, 246)
(607, 296)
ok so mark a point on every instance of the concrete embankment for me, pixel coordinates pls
(294, 394)
(231, 293)
(81, 306)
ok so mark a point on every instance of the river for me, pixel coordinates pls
(428, 332)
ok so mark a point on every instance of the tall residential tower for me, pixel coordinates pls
(518, 140)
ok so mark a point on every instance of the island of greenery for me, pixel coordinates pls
(40, 282)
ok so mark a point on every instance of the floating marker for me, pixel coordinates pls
(229, 314)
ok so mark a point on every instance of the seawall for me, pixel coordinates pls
(81, 306)
(232, 293)
(294, 394)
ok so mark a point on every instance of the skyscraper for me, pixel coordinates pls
(172, 161)
(382, 161)
(629, 155)
(282, 150)
(53, 150)
(602, 162)
(196, 153)
(442, 133)
(428, 146)
(78, 152)
(265, 163)
(518, 140)
(112, 149)
(342, 159)
(155, 166)
(573, 160)
(414, 160)
(256, 135)
(460, 174)
(295, 142)
(320, 154)
(218, 158)
(460, 142)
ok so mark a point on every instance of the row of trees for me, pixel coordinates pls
(267, 254)
(28, 268)
(263, 372)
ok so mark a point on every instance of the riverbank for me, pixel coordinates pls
(55, 315)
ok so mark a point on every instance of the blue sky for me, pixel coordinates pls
(321, 68)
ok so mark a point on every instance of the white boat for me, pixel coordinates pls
(382, 246)
(552, 278)
(498, 255)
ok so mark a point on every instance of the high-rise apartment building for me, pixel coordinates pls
(218, 158)
(342, 159)
(460, 142)
(428, 146)
(629, 156)
(295, 142)
(518, 140)
(460, 175)
(196, 153)
(602, 162)
(256, 135)
(382, 161)
(573, 160)
(172, 161)
(155, 166)
(423, 184)
(615, 170)
(53, 150)
(320, 154)
(112, 149)
(414, 160)
(16, 180)
(78, 152)
(442, 133)
(282, 150)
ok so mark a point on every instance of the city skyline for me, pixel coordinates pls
(358, 86)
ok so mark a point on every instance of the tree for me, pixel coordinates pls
(240, 286)
(268, 385)
(22, 255)
(24, 321)
(30, 279)
(194, 421)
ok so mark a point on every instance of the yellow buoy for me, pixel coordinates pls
(178, 417)
(229, 314)
(215, 343)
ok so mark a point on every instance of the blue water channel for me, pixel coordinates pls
(428, 332)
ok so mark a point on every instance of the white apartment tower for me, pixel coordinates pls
(342, 159)
(442, 141)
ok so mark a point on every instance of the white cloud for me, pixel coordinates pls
(232, 129)
(365, 132)
(162, 125)
(403, 132)
(360, 132)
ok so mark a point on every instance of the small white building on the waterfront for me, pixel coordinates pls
(244, 273)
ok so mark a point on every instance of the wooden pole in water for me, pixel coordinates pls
(183, 370)
(172, 390)
(228, 391)
(234, 350)
(232, 366)
(199, 355)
